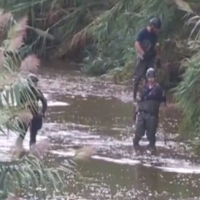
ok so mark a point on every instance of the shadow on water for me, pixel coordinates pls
(89, 111)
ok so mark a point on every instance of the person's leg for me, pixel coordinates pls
(36, 125)
(151, 126)
(22, 129)
(139, 73)
(139, 129)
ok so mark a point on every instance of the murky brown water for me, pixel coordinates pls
(88, 111)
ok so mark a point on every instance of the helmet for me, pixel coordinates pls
(156, 22)
(150, 73)
(33, 78)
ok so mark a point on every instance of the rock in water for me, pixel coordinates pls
(84, 153)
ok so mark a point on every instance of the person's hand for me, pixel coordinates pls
(158, 63)
(145, 56)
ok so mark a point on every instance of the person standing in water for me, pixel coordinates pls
(146, 47)
(148, 105)
(30, 98)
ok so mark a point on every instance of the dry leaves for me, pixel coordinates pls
(30, 64)
(16, 34)
(182, 5)
(4, 20)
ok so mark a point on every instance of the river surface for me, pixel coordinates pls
(90, 111)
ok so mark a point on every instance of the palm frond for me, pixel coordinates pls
(187, 94)
(28, 171)
(17, 34)
(183, 5)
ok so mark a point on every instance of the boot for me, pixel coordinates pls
(136, 141)
(151, 145)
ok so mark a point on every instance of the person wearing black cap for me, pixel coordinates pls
(146, 48)
(148, 104)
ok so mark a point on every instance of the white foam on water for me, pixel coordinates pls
(57, 103)
(131, 162)
(193, 170)
(107, 159)
(120, 143)
(75, 135)
(7, 142)
(62, 153)
(123, 161)
(86, 137)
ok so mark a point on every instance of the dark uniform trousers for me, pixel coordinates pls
(146, 123)
(35, 126)
(140, 71)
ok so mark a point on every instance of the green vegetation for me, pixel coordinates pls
(26, 172)
(101, 34)
(20, 175)
(187, 91)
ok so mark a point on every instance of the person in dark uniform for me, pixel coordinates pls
(146, 46)
(148, 104)
(29, 97)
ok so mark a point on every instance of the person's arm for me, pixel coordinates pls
(138, 41)
(143, 94)
(139, 48)
(44, 102)
(160, 95)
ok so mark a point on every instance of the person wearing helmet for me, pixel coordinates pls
(148, 104)
(146, 47)
(29, 97)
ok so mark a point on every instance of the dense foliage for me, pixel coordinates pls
(29, 172)
(187, 91)
(102, 32)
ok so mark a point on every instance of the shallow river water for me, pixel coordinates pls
(90, 111)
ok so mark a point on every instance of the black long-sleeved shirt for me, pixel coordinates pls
(155, 93)
(150, 99)
(30, 97)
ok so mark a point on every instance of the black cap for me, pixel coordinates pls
(33, 78)
(156, 22)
